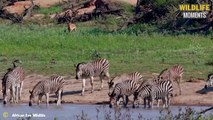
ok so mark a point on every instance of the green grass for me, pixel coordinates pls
(49, 10)
(146, 53)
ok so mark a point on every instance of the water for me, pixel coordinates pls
(71, 111)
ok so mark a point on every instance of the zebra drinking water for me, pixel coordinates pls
(143, 91)
(99, 67)
(163, 90)
(135, 76)
(46, 87)
(122, 90)
(154, 90)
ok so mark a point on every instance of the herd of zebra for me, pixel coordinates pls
(122, 86)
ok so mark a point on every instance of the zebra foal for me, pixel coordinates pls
(122, 90)
(46, 87)
(175, 73)
(13, 82)
(99, 67)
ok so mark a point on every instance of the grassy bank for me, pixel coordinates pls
(147, 53)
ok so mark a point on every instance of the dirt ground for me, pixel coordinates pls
(193, 92)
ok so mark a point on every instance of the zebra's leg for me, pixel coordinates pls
(168, 102)
(164, 102)
(47, 98)
(117, 101)
(101, 78)
(83, 86)
(144, 102)
(151, 103)
(16, 93)
(126, 101)
(92, 85)
(107, 75)
(13, 94)
(39, 99)
(179, 86)
(158, 102)
(20, 91)
(59, 97)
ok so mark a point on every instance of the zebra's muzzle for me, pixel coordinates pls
(110, 105)
(30, 104)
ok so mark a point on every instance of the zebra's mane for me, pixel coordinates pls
(209, 75)
(81, 63)
(34, 91)
(163, 71)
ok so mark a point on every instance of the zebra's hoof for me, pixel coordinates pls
(30, 104)
(125, 107)
(110, 106)
(4, 102)
(82, 94)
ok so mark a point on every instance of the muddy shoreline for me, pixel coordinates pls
(193, 94)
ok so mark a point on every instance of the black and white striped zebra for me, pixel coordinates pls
(143, 92)
(175, 73)
(163, 90)
(47, 87)
(13, 82)
(122, 90)
(135, 76)
(99, 67)
(209, 81)
(153, 90)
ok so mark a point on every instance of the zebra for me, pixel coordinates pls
(122, 90)
(174, 73)
(143, 91)
(135, 76)
(209, 81)
(98, 67)
(45, 87)
(153, 90)
(13, 81)
(163, 90)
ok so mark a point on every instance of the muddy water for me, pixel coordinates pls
(72, 111)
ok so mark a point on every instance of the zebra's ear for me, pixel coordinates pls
(30, 91)
(112, 83)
